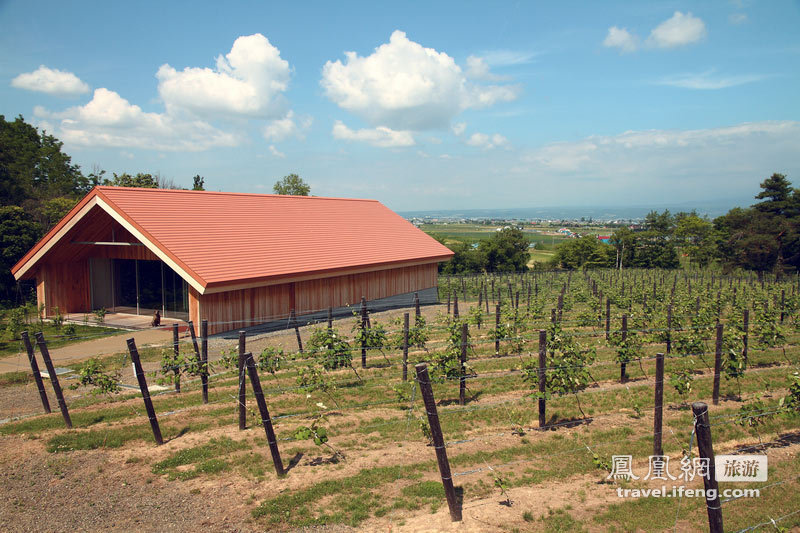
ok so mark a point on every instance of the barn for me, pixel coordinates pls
(233, 259)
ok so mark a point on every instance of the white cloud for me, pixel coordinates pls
(283, 128)
(111, 121)
(459, 128)
(622, 39)
(487, 142)
(708, 80)
(679, 30)
(642, 153)
(51, 81)
(277, 153)
(737, 18)
(247, 82)
(478, 69)
(404, 86)
(381, 136)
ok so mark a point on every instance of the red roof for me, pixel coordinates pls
(220, 238)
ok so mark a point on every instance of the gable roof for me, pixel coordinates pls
(219, 240)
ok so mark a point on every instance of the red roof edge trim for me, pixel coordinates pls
(53, 231)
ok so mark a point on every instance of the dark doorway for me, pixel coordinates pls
(139, 287)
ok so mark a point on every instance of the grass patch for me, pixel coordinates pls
(110, 437)
(205, 458)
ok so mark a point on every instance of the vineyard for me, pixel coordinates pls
(501, 407)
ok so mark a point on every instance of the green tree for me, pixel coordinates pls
(198, 183)
(506, 251)
(696, 235)
(145, 181)
(776, 193)
(18, 233)
(584, 252)
(292, 185)
(766, 236)
(465, 259)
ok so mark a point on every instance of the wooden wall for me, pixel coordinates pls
(64, 285)
(232, 310)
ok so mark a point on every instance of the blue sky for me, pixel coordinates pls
(451, 105)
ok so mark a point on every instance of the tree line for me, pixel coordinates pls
(764, 237)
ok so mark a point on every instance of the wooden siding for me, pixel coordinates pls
(64, 285)
(318, 294)
(232, 310)
(246, 307)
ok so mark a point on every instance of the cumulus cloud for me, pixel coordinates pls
(459, 127)
(678, 30)
(247, 82)
(622, 39)
(487, 142)
(111, 121)
(51, 81)
(286, 127)
(200, 104)
(381, 136)
(708, 80)
(405, 87)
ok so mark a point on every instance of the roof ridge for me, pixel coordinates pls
(227, 193)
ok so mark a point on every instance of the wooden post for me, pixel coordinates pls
(176, 351)
(717, 364)
(669, 328)
(448, 302)
(416, 305)
(702, 429)
(194, 341)
(542, 377)
(148, 403)
(496, 329)
(608, 317)
(363, 332)
(462, 385)
(658, 409)
(486, 297)
(405, 347)
(455, 305)
(330, 318)
(242, 384)
(560, 304)
(293, 319)
(745, 327)
(262, 408)
(53, 378)
(35, 369)
(204, 358)
(623, 365)
(438, 441)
